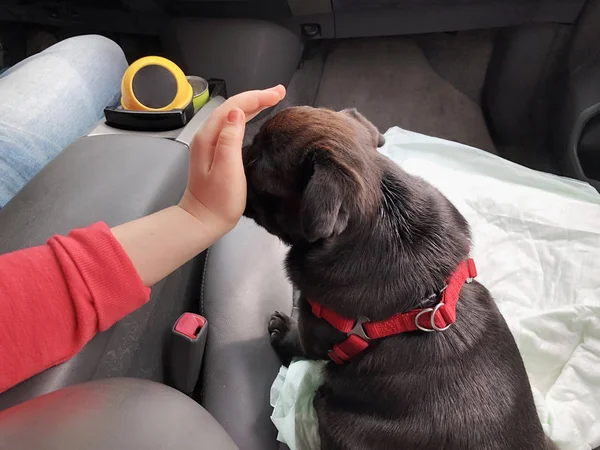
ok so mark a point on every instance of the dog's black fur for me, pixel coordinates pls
(368, 239)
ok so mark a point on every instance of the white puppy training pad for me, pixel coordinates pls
(536, 242)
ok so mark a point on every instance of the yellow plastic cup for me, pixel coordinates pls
(154, 83)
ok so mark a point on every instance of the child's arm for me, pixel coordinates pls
(54, 298)
(215, 197)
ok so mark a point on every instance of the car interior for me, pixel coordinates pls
(517, 78)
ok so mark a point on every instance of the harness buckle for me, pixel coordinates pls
(359, 330)
(433, 312)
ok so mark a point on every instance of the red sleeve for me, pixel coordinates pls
(54, 298)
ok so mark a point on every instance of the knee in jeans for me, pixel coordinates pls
(98, 48)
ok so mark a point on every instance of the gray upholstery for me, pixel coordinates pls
(120, 413)
(248, 54)
(353, 18)
(243, 285)
(113, 179)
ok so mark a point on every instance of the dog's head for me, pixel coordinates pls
(311, 174)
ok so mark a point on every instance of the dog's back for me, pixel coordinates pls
(465, 388)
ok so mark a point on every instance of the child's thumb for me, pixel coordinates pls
(228, 152)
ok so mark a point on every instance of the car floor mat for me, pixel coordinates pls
(393, 83)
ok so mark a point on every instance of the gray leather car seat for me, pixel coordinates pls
(120, 413)
(113, 178)
(244, 283)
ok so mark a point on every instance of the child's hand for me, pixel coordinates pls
(216, 189)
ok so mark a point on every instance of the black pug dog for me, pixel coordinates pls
(371, 247)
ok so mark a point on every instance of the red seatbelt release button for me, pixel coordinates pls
(190, 325)
(188, 340)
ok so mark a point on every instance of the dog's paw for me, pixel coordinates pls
(279, 325)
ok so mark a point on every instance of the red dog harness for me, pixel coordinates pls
(361, 331)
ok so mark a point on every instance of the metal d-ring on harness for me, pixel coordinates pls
(433, 311)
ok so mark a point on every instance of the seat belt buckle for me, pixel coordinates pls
(188, 340)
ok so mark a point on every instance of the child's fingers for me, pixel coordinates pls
(251, 103)
(228, 151)
(279, 89)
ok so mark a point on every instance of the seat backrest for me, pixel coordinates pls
(110, 178)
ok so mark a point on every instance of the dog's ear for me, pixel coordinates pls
(373, 130)
(326, 201)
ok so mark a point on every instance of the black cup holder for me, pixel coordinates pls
(117, 117)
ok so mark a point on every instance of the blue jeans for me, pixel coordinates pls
(50, 100)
